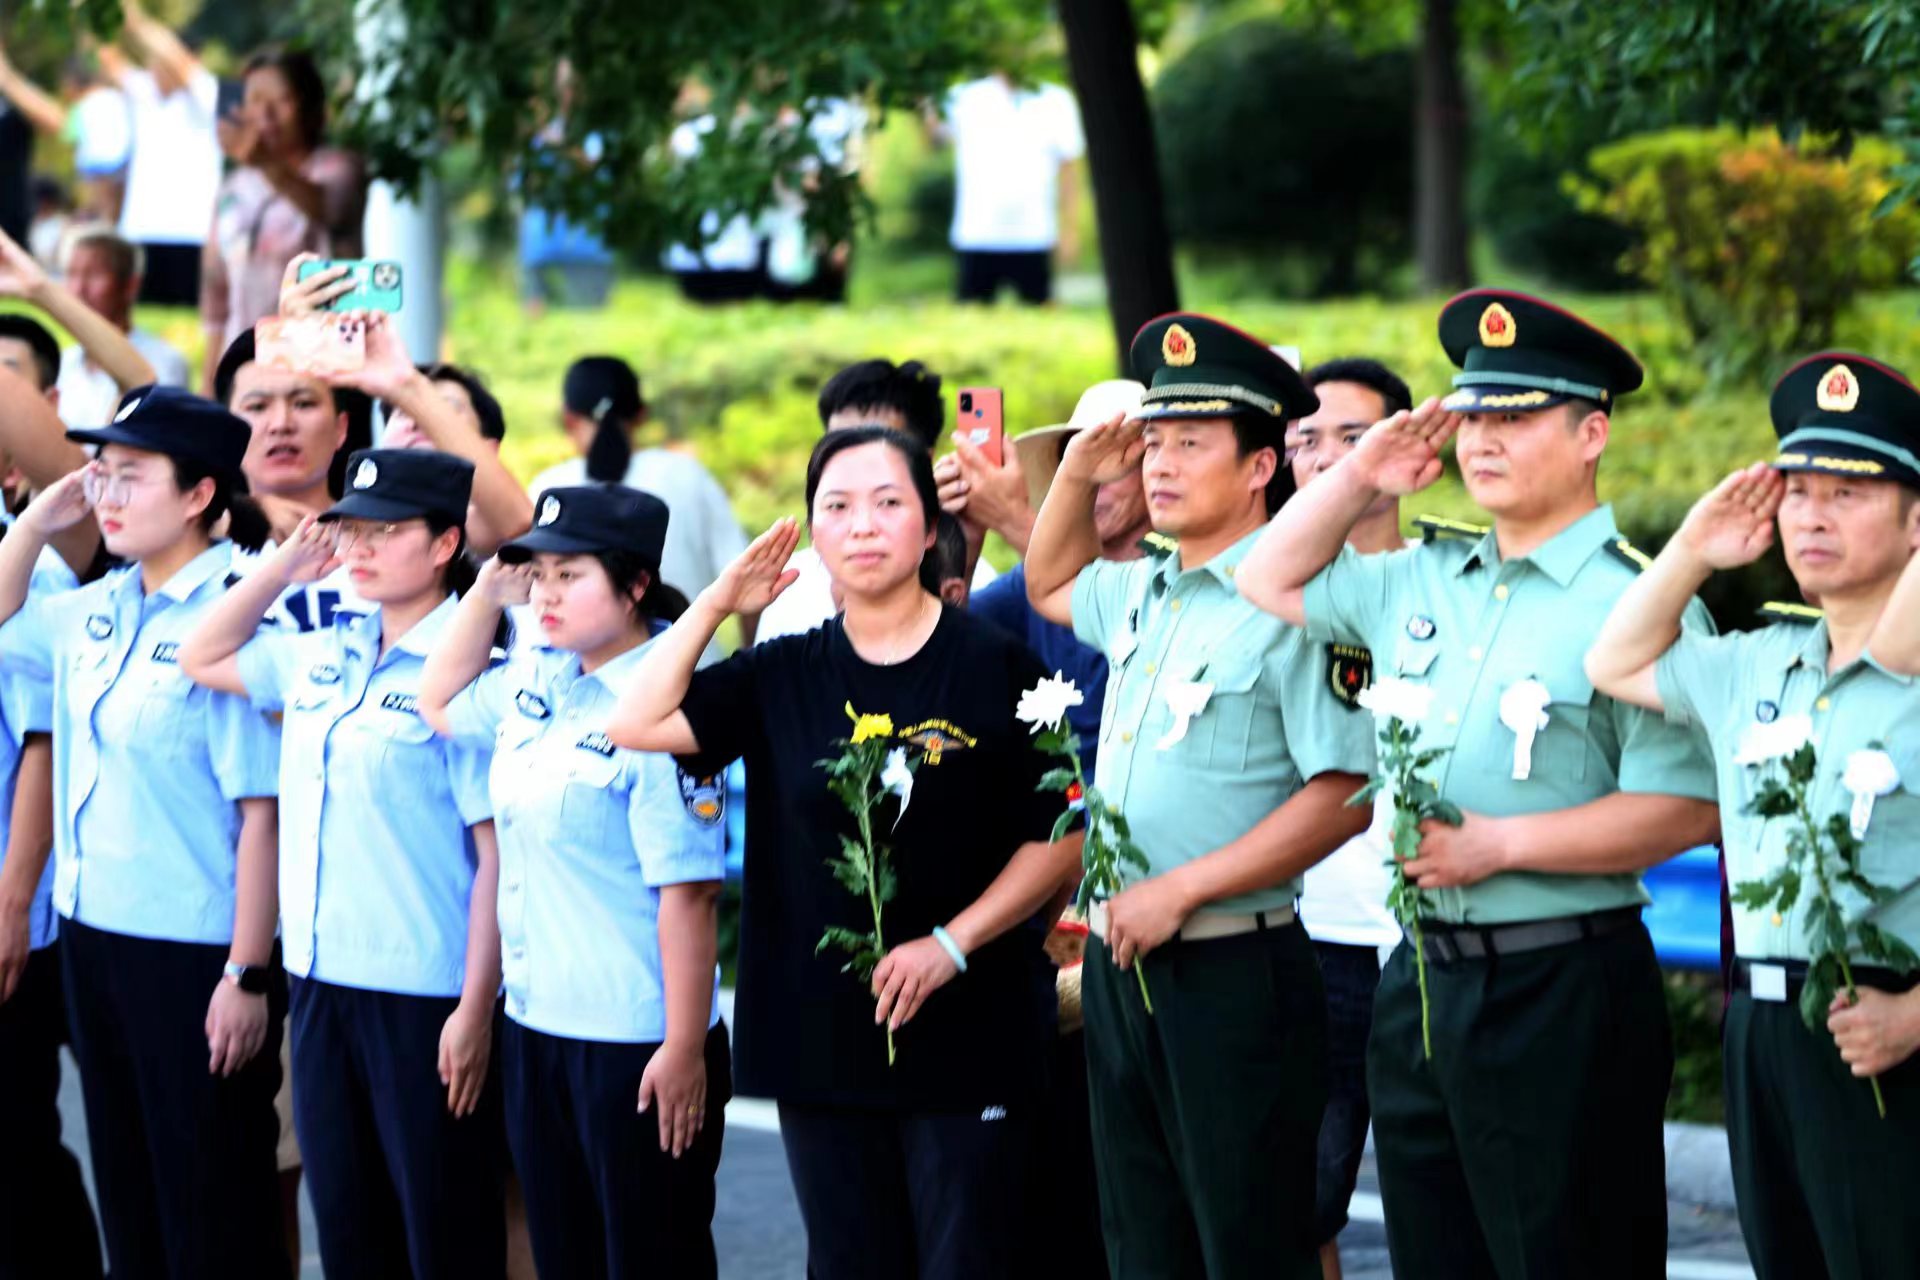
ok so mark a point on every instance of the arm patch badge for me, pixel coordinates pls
(705, 798)
(1349, 672)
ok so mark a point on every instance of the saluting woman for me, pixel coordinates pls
(919, 1167)
(388, 872)
(164, 847)
(613, 1059)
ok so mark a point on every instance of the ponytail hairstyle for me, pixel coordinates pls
(606, 391)
(247, 524)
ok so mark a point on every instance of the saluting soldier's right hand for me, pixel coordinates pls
(64, 503)
(1401, 454)
(1105, 452)
(504, 585)
(310, 553)
(1733, 524)
(759, 574)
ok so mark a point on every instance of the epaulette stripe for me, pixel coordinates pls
(1432, 527)
(1785, 611)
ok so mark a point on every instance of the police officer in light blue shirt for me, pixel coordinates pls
(163, 844)
(614, 1061)
(387, 877)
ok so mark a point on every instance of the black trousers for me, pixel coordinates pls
(899, 1195)
(1827, 1189)
(1205, 1114)
(1529, 1147)
(603, 1201)
(982, 273)
(46, 1221)
(183, 1160)
(400, 1187)
(1351, 975)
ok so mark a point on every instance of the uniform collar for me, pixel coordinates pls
(419, 640)
(1166, 570)
(1559, 557)
(1813, 652)
(194, 574)
(615, 675)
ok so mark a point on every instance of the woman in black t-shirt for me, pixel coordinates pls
(919, 1167)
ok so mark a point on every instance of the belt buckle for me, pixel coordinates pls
(1767, 982)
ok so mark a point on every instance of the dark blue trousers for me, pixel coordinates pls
(46, 1220)
(183, 1160)
(400, 1187)
(603, 1201)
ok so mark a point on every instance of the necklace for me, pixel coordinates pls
(910, 636)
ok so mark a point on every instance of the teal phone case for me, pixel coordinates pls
(376, 284)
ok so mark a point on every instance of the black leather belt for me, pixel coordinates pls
(1796, 972)
(1450, 942)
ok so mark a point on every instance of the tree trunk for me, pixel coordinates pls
(1440, 152)
(1136, 251)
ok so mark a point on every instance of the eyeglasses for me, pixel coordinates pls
(364, 532)
(112, 489)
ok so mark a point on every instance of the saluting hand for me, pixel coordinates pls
(504, 585)
(63, 503)
(906, 976)
(236, 1028)
(1733, 524)
(1401, 454)
(1877, 1034)
(674, 1087)
(310, 553)
(759, 574)
(466, 1044)
(1105, 452)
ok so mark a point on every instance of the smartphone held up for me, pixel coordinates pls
(980, 424)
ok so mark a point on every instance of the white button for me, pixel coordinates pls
(1500, 592)
(1824, 704)
(1126, 736)
(1476, 653)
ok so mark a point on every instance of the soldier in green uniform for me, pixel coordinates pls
(1529, 1144)
(1231, 745)
(1826, 1187)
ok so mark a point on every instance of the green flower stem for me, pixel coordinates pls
(1803, 812)
(1139, 962)
(873, 887)
(1420, 966)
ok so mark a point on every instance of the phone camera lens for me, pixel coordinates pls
(966, 403)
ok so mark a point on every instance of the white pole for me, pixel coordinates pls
(412, 233)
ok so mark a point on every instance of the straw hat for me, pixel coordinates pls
(1039, 449)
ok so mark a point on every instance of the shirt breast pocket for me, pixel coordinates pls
(592, 806)
(1887, 856)
(403, 737)
(1564, 748)
(1413, 660)
(1221, 735)
(168, 720)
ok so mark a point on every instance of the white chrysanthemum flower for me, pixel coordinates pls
(1390, 697)
(1046, 704)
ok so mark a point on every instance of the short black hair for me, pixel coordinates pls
(46, 351)
(910, 389)
(1364, 371)
(493, 419)
(357, 405)
(949, 558)
(1252, 434)
(303, 78)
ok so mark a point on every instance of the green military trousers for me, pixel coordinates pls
(1827, 1189)
(1206, 1114)
(1530, 1146)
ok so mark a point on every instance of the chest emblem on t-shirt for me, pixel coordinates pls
(937, 737)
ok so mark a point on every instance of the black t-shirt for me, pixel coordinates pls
(805, 1030)
(16, 160)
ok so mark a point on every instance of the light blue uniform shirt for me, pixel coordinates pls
(376, 853)
(589, 835)
(148, 768)
(26, 706)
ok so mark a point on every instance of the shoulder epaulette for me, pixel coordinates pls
(1435, 528)
(1159, 544)
(1803, 615)
(1629, 555)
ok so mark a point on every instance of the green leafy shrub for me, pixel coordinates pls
(1248, 161)
(1757, 247)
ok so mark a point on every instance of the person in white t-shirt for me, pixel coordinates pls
(601, 409)
(1344, 902)
(173, 169)
(103, 269)
(1016, 154)
(905, 397)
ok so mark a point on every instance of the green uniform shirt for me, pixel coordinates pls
(1270, 722)
(1723, 684)
(1453, 615)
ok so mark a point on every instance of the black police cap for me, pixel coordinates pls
(177, 423)
(1847, 414)
(1516, 352)
(404, 484)
(586, 519)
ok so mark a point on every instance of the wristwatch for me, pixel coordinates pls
(250, 978)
